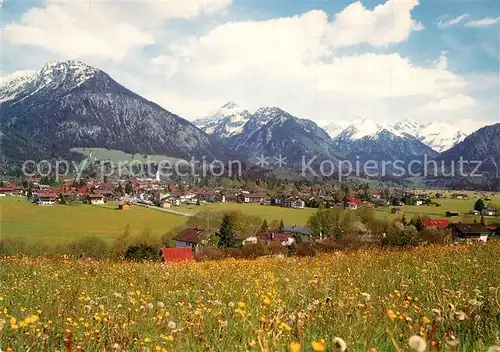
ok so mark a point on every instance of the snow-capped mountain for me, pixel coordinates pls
(482, 145)
(365, 139)
(441, 136)
(335, 128)
(70, 104)
(271, 132)
(409, 126)
(225, 122)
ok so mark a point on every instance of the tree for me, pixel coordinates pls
(198, 201)
(482, 220)
(282, 226)
(479, 206)
(129, 189)
(417, 223)
(265, 227)
(119, 190)
(226, 233)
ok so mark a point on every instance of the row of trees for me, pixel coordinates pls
(363, 226)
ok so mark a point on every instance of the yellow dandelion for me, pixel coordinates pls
(285, 326)
(425, 320)
(241, 304)
(318, 346)
(295, 347)
(391, 314)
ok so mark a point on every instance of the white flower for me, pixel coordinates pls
(460, 315)
(339, 344)
(87, 308)
(417, 344)
(366, 296)
(116, 346)
(231, 304)
(452, 341)
(160, 304)
(172, 325)
(150, 305)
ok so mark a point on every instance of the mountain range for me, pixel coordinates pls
(70, 104)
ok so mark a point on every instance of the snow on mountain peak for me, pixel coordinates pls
(226, 121)
(408, 126)
(441, 136)
(70, 74)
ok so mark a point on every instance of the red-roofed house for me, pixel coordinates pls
(5, 191)
(437, 223)
(170, 255)
(47, 198)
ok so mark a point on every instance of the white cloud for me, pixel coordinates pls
(487, 21)
(98, 28)
(292, 62)
(456, 102)
(388, 23)
(298, 63)
(452, 21)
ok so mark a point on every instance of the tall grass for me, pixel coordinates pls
(373, 299)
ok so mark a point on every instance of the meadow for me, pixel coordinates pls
(270, 213)
(23, 220)
(374, 300)
(58, 224)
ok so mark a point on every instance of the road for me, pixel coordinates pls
(163, 209)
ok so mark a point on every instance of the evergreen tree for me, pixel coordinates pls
(119, 190)
(128, 188)
(198, 201)
(226, 233)
(482, 220)
(404, 221)
(479, 206)
(282, 226)
(265, 227)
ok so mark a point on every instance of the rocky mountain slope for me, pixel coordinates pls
(71, 104)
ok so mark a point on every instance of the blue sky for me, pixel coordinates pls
(326, 60)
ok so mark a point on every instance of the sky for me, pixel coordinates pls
(329, 61)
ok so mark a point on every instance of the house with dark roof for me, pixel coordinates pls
(283, 239)
(190, 237)
(294, 231)
(470, 231)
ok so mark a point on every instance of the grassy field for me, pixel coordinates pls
(374, 300)
(118, 155)
(21, 219)
(270, 213)
(24, 220)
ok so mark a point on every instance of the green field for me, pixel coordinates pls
(24, 220)
(119, 156)
(268, 212)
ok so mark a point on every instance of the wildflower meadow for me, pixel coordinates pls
(434, 298)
